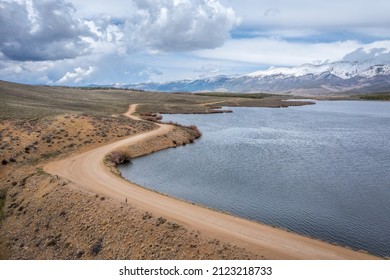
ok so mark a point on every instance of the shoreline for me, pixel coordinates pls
(89, 172)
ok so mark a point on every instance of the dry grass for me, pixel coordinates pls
(192, 130)
(26, 102)
(30, 141)
(3, 195)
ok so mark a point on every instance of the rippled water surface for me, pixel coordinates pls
(321, 170)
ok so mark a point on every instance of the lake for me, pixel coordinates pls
(320, 170)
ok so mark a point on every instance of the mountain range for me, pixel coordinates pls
(307, 79)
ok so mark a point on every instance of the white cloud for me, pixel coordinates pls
(208, 70)
(172, 25)
(50, 30)
(377, 52)
(77, 76)
(34, 72)
(269, 51)
(108, 37)
(331, 16)
(271, 12)
(97, 8)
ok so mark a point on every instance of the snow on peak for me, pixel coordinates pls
(376, 70)
(341, 69)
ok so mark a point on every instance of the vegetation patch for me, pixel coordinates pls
(239, 95)
(376, 96)
(3, 196)
(51, 154)
(119, 157)
(97, 247)
(40, 171)
(3, 247)
(151, 117)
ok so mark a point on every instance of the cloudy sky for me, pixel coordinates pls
(81, 42)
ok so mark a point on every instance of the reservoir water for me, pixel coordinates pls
(321, 170)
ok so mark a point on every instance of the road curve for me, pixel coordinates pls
(88, 171)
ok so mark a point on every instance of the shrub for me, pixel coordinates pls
(119, 157)
(97, 247)
(79, 253)
(146, 216)
(160, 221)
(173, 225)
(48, 138)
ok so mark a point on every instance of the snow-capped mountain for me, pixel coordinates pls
(344, 70)
(343, 76)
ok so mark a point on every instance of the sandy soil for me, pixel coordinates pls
(88, 171)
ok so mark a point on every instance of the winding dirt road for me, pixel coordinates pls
(89, 172)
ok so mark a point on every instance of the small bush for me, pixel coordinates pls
(48, 138)
(160, 221)
(3, 194)
(151, 117)
(79, 253)
(119, 157)
(173, 226)
(97, 247)
(147, 216)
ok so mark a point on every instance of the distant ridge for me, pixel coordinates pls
(323, 79)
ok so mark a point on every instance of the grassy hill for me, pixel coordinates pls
(25, 101)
